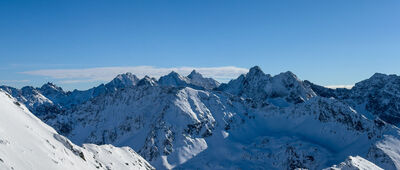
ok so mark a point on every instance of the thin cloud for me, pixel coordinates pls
(68, 76)
(76, 81)
(14, 81)
(339, 86)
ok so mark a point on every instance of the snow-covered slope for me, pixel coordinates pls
(378, 96)
(27, 143)
(355, 163)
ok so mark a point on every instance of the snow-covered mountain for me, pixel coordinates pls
(194, 80)
(27, 143)
(378, 96)
(197, 79)
(256, 121)
(281, 90)
(49, 100)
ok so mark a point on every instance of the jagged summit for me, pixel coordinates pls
(126, 76)
(173, 73)
(288, 75)
(281, 90)
(147, 81)
(194, 74)
(255, 71)
(193, 80)
(51, 91)
(123, 80)
(173, 79)
(379, 80)
(50, 85)
(375, 97)
(197, 79)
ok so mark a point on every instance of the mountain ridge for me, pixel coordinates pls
(174, 123)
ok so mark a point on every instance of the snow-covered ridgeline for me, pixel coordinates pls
(28, 143)
(257, 120)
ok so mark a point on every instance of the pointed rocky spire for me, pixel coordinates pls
(50, 85)
(173, 79)
(194, 74)
(255, 71)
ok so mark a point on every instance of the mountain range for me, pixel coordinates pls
(256, 121)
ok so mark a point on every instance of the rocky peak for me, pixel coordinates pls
(50, 85)
(378, 76)
(147, 81)
(195, 74)
(255, 72)
(281, 90)
(126, 76)
(123, 80)
(288, 75)
(175, 75)
(198, 80)
(376, 97)
(379, 80)
(173, 79)
(29, 90)
(50, 88)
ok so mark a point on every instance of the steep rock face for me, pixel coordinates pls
(381, 96)
(281, 90)
(378, 96)
(28, 143)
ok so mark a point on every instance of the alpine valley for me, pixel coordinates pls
(256, 121)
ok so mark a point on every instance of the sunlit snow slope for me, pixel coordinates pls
(27, 143)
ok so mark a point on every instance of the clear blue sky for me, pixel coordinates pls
(330, 42)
